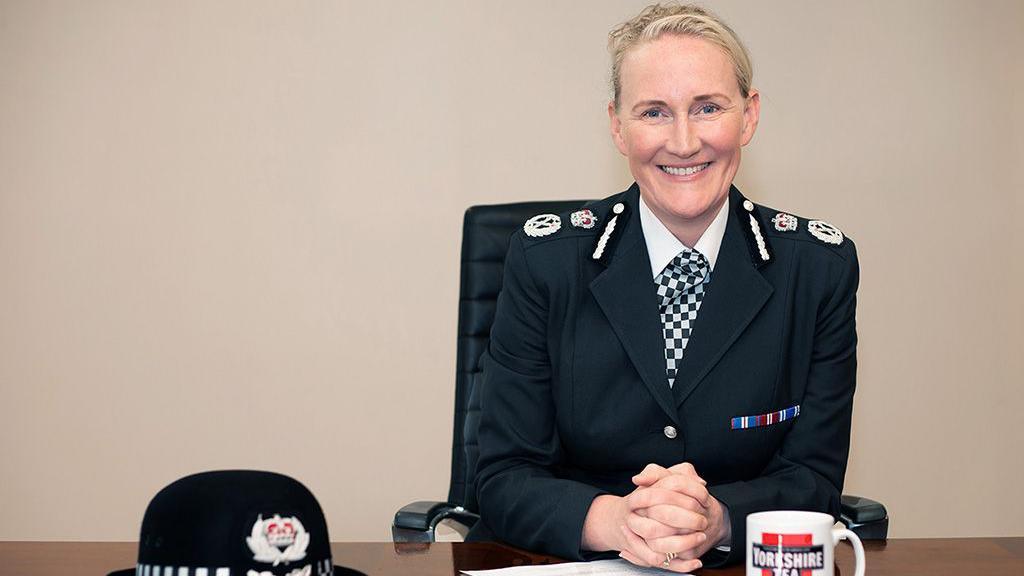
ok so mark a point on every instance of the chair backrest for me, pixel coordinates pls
(485, 234)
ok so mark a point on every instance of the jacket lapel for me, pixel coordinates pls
(736, 294)
(626, 294)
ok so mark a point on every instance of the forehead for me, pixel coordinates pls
(674, 67)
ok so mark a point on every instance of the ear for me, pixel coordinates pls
(751, 115)
(616, 128)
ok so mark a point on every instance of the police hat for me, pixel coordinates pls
(235, 523)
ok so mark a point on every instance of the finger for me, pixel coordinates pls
(675, 517)
(650, 474)
(687, 469)
(684, 566)
(627, 555)
(636, 546)
(687, 485)
(687, 546)
(647, 497)
(647, 528)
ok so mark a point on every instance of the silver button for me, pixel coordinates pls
(670, 432)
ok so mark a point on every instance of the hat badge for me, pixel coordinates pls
(276, 540)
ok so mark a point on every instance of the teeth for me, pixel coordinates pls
(685, 171)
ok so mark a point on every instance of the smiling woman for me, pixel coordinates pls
(681, 118)
(690, 359)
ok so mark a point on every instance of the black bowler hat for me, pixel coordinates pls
(235, 523)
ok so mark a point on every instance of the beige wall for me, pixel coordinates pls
(229, 235)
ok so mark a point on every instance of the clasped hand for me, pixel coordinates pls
(670, 515)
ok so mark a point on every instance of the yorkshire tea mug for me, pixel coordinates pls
(794, 543)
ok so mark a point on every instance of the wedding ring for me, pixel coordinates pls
(668, 559)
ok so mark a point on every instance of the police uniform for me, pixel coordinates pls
(574, 394)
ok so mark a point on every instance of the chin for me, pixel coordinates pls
(690, 210)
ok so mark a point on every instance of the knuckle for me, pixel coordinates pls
(657, 547)
(642, 531)
(631, 521)
(634, 499)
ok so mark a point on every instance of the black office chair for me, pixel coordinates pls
(485, 235)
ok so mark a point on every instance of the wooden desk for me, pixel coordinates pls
(902, 557)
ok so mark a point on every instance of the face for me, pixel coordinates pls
(681, 122)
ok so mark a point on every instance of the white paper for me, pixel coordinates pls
(595, 568)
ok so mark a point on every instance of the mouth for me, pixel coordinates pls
(680, 171)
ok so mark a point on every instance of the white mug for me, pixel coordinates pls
(794, 543)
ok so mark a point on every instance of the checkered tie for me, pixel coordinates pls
(680, 288)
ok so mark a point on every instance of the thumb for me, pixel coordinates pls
(650, 475)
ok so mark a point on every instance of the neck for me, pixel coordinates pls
(689, 231)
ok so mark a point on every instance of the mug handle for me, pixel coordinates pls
(858, 548)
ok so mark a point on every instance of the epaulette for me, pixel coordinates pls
(818, 231)
(552, 226)
(783, 227)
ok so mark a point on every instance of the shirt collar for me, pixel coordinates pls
(663, 246)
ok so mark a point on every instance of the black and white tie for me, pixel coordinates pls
(681, 289)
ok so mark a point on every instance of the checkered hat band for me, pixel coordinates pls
(322, 568)
(680, 287)
(156, 570)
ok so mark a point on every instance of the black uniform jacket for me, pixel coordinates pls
(575, 400)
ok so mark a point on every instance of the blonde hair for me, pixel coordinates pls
(684, 20)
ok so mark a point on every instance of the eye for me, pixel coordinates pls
(708, 108)
(652, 113)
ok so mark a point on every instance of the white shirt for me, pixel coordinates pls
(663, 246)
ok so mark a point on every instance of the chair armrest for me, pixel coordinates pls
(416, 521)
(865, 517)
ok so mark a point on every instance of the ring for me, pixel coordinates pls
(669, 556)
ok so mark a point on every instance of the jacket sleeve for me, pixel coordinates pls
(522, 500)
(807, 472)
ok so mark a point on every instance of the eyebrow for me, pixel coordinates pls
(700, 98)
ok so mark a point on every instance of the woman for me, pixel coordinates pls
(673, 357)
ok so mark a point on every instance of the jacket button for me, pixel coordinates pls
(670, 432)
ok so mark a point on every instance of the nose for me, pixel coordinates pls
(683, 140)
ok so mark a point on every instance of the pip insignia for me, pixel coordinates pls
(278, 540)
(542, 225)
(825, 232)
(785, 222)
(583, 219)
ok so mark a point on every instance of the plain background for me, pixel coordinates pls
(229, 235)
